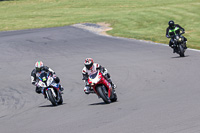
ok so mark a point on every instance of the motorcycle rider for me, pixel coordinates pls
(39, 68)
(172, 30)
(91, 68)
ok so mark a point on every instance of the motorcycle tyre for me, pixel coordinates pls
(52, 99)
(182, 50)
(102, 94)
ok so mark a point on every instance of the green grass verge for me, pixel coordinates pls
(139, 19)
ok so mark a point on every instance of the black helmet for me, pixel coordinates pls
(171, 23)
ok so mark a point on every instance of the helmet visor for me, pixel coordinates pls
(172, 26)
(89, 66)
(38, 69)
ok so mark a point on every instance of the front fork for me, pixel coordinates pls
(53, 92)
(109, 93)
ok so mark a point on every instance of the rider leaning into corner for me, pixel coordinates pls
(91, 68)
(39, 68)
(172, 30)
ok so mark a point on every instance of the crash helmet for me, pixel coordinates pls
(38, 66)
(88, 63)
(171, 24)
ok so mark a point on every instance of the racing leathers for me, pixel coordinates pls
(172, 31)
(95, 67)
(35, 79)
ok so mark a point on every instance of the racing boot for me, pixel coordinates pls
(113, 85)
(87, 89)
(45, 96)
(171, 45)
(38, 90)
(174, 50)
(61, 89)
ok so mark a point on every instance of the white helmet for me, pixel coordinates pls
(88, 63)
(38, 66)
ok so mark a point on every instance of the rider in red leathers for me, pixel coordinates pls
(91, 68)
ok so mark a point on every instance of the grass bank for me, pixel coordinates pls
(139, 19)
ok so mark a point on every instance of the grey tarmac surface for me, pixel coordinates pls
(158, 92)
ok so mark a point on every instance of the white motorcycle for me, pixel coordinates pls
(50, 89)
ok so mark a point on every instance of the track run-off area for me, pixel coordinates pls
(158, 91)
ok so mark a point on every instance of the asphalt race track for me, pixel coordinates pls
(158, 92)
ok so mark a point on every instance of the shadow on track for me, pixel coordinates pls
(180, 57)
(42, 106)
(101, 103)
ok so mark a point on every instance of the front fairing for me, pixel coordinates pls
(97, 79)
(42, 84)
(46, 82)
(94, 78)
(178, 39)
(49, 81)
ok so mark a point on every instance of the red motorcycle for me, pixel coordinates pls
(100, 86)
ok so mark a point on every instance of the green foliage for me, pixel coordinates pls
(139, 19)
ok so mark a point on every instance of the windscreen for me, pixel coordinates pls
(93, 75)
(42, 75)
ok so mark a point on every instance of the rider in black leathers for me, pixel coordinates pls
(172, 30)
(39, 68)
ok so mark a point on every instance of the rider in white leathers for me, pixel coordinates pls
(91, 68)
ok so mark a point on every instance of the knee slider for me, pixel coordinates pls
(57, 80)
(108, 75)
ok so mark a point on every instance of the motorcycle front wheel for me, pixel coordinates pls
(103, 94)
(52, 99)
(181, 51)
